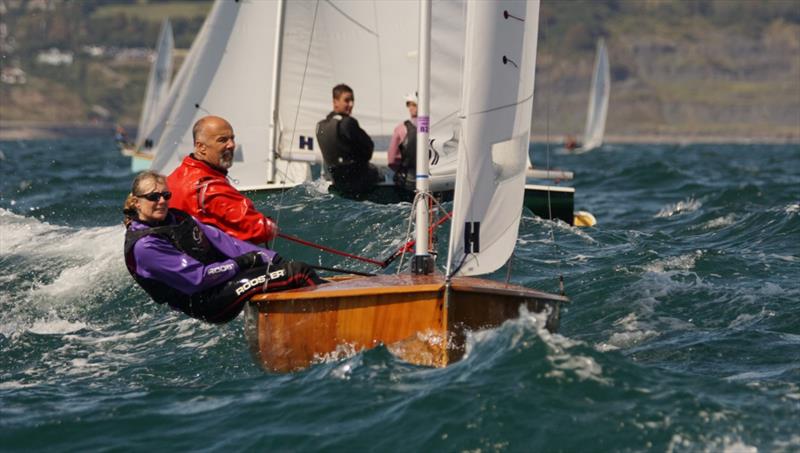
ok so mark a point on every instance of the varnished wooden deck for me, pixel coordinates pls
(419, 318)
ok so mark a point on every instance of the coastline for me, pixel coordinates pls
(34, 130)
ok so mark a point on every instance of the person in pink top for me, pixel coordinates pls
(402, 153)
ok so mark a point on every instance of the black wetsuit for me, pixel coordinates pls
(347, 149)
(405, 175)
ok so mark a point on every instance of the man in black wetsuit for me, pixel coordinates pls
(345, 147)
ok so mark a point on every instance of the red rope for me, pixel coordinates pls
(411, 243)
(406, 247)
(330, 250)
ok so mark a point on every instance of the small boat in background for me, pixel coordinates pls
(156, 93)
(598, 103)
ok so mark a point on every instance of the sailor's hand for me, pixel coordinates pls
(248, 261)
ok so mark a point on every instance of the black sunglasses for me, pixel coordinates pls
(155, 196)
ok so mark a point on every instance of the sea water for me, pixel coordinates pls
(683, 331)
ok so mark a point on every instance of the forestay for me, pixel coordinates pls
(497, 102)
(598, 100)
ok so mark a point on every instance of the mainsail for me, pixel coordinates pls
(372, 47)
(158, 83)
(598, 100)
(497, 103)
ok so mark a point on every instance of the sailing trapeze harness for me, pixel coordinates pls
(408, 148)
(187, 237)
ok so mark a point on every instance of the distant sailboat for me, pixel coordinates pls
(598, 101)
(158, 85)
(423, 317)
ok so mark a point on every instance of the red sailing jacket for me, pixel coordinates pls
(204, 192)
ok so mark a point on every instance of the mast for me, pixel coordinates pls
(274, 136)
(423, 262)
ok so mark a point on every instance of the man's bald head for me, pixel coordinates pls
(208, 121)
(214, 141)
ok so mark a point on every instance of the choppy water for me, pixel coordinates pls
(683, 333)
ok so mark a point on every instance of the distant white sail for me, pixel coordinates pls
(598, 100)
(158, 125)
(158, 82)
(497, 103)
(231, 78)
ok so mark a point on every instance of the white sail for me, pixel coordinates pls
(598, 100)
(497, 103)
(231, 77)
(152, 136)
(372, 47)
(158, 82)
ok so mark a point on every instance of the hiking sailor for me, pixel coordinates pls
(196, 268)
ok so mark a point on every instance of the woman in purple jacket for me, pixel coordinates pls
(193, 267)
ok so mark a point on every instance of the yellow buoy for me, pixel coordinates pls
(584, 219)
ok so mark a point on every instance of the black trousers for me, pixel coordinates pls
(223, 303)
(354, 179)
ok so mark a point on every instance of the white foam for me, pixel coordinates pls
(25, 233)
(724, 444)
(682, 263)
(56, 327)
(687, 205)
(69, 267)
(198, 405)
(633, 332)
(793, 208)
(563, 361)
(787, 258)
(720, 222)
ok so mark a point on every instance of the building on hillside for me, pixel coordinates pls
(42, 5)
(94, 51)
(54, 57)
(7, 42)
(132, 54)
(13, 76)
(99, 113)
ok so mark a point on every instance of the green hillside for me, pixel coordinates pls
(689, 68)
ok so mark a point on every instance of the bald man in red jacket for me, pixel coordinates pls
(200, 187)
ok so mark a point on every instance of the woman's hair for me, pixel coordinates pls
(129, 208)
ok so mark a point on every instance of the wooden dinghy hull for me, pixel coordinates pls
(421, 319)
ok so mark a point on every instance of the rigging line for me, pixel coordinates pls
(547, 165)
(297, 113)
(351, 19)
(410, 243)
(411, 216)
(340, 270)
(501, 107)
(380, 68)
(325, 248)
